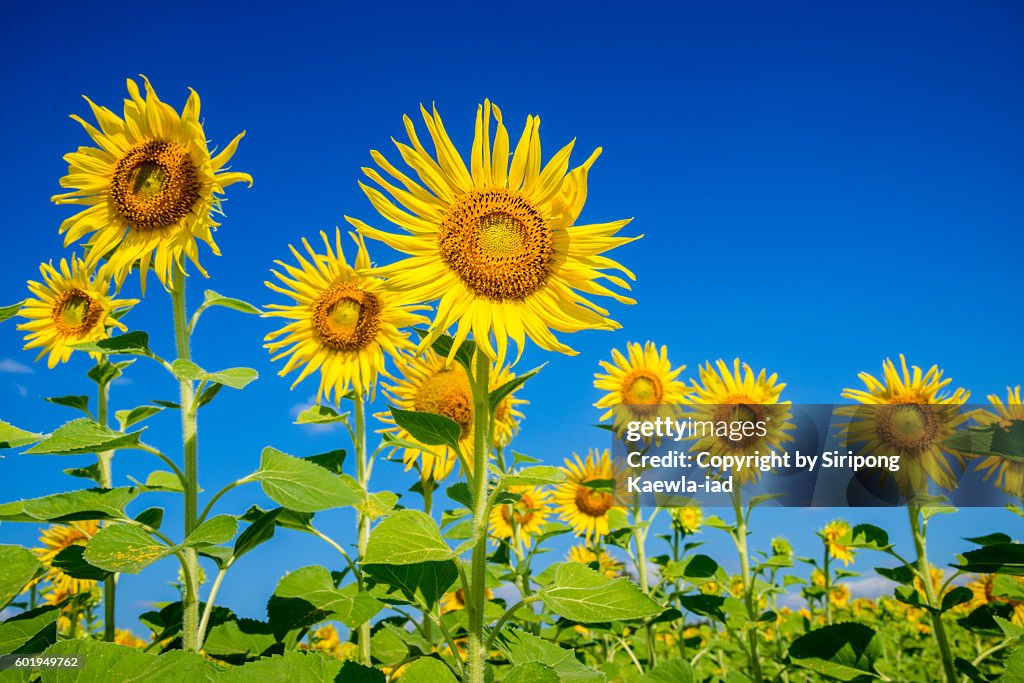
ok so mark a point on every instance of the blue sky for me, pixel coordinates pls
(820, 187)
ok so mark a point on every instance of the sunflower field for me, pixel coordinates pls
(465, 558)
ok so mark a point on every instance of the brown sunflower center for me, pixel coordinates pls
(906, 427)
(522, 511)
(497, 243)
(155, 185)
(592, 502)
(641, 389)
(75, 313)
(447, 393)
(346, 318)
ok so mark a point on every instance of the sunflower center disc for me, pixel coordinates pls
(592, 502)
(155, 185)
(907, 427)
(75, 312)
(497, 243)
(346, 318)
(447, 393)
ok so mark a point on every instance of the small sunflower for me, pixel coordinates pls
(343, 322)
(710, 588)
(833, 533)
(687, 519)
(641, 385)
(983, 593)
(429, 385)
(72, 305)
(840, 596)
(818, 578)
(529, 513)
(455, 600)
(496, 242)
(1009, 474)
(725, 397)
(56, 538)
(151, 186)
(906, 414)
(606, 564)
(124, 636)
(585, 507)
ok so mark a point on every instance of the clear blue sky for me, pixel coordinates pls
(821, 186)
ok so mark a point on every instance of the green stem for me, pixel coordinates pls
(476, 596)
(190, 614)
(640, 541)
(924, 569)
(362, 520)
(209, 605)
(107, 481)
(748, 588)
(828, 588)
(507, 615)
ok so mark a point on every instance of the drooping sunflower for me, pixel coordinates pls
(56, 538)
(1009, 474)
(529, 514)
(496, 242)
(606, 564)
(582, 505)
(150, 186)
(640, 386)
(72, 305)
(906, 414)
(429, 385)
(724, 397)
(833, 534)
(687, 518)
(343, 323)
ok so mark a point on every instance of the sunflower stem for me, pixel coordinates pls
(828, 587)
(106, 481)
(190, 609)
(362, 520)
(476, 596)
(748, 587)
(640, 541)
(924, 569)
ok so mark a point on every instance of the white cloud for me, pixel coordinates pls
(13, 367)
(22, 389)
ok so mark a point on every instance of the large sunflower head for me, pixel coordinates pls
(428, 384)
(585, 498)
(342, 323)
(526, 516)
(496, 241)
(72, 305)
(907, 414)
(150, 185)
(1009, 474)
(641, 385)
(739, 395)
(55, 539)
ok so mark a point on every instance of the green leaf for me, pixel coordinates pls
(84, 436)
(212, 298)
(259, 531)
(208, 393)
(406, 537)
(8, 312)
(308, 596)
(957, 596)
(901, 574)
(29, 632)
(531, 672)
(12, 437)
(91, 472)
(673, 671)
(443, 344)
(151, 517)
(498, 395)
(72, 562)
(320, 415)
(707, 605)
(995, 558)
(535, 476)
(1014, 667)
(581, 594)
(420, 584)
(105, 372)
(845, 651)
(331, 460)
(164, 481)
(239, 637)
(87, 504)
(107, 662)
(301, 485)
(428, 428)
(127, 418)
(76, 402)
(20, 566)
(522, 648)
(427, 670)
(124, 548)
(129, 344)
(989, 539)
(460, 493)
(869, 536)
(214, 531)
(378, 504)
(236, 378)
(697, 567)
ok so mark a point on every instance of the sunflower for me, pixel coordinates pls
(983, 593)
(606, 564)
(834, 532)
(585, 507)
(124, 636)
(906, 414)
(642, 386)
(1009, 474)
(496, 242)
(343, 322)
(529, 513)
(56, 538)
(687, 519)
(840, 596)
(429, 385)
(724, 396)
(710, 588)
(455, 600)
(150, 186)
(72, 306)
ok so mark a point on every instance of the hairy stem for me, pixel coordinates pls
(107, 481)
(748, 587)
(362, 520)
(476, 596)
(924, 569)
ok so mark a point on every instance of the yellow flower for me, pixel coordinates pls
(908, 416)
(737, 588)
(150, 185)
(642, 386)
(818, 578)
(710, 588)
(429, 385)
(456, 600)
(529, 513)
(607, 564)
(56, 538)
(72, 305)
(687, 519)
(725, 397)
(342, 323)
(123, 636)
(936, 575)
(496, 242)
(983, 593)
(583, 507)
(1009, 473)
(832, 534)
(840, 596)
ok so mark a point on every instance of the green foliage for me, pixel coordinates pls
(84, 436)
(301, 485)
(19, 568)
(845, 652)
(308, 596)
(124, 548)
(407, 537)
(522, 649)
(236, 378)
(427, 428)
(581, 594)
(12, 437)
(420, 584)
(86, 504)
